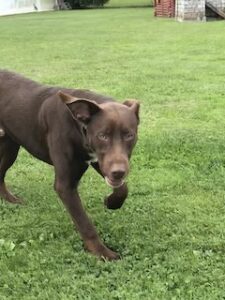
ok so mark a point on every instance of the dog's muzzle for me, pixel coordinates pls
(114, 183)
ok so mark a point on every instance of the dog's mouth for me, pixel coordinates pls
(114, 183)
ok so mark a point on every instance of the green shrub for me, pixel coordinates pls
(85, 3)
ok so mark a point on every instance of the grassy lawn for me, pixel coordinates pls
(171, 231)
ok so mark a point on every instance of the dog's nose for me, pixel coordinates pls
(118, 174)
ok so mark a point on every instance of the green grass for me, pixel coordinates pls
(171, 231)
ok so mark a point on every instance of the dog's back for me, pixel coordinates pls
(21, 102)
(18, 88)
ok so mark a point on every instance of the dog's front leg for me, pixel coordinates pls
(72, 202)
(118, 196)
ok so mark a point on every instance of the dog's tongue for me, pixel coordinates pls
(114, 183)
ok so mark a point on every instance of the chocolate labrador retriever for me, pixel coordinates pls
(69, 129)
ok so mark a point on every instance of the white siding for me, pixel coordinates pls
(8, 7)
(195, 9)
(220, 4)
(190, 10)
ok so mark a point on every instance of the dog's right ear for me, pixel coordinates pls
(81, 109)
(134, 105)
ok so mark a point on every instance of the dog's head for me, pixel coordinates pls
(111, 131)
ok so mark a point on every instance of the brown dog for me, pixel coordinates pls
(68, 129)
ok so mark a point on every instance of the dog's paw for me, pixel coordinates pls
(6, 195)
(113, 202)
(110, 255)
(117, 198)
(97, 248)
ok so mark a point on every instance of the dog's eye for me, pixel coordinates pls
(128, 135)
(103, 136)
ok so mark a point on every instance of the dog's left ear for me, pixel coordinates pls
(81, 109)
(134, 105)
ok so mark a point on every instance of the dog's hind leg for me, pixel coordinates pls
(8, 154)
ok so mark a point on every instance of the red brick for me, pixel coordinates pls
(164, 8)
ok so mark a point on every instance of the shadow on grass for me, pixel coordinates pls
(129, 6)
(112, 7)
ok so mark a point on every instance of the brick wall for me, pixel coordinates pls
(164, 8)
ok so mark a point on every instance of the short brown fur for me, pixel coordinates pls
(69, 129)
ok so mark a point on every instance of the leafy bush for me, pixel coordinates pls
(85, 3)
